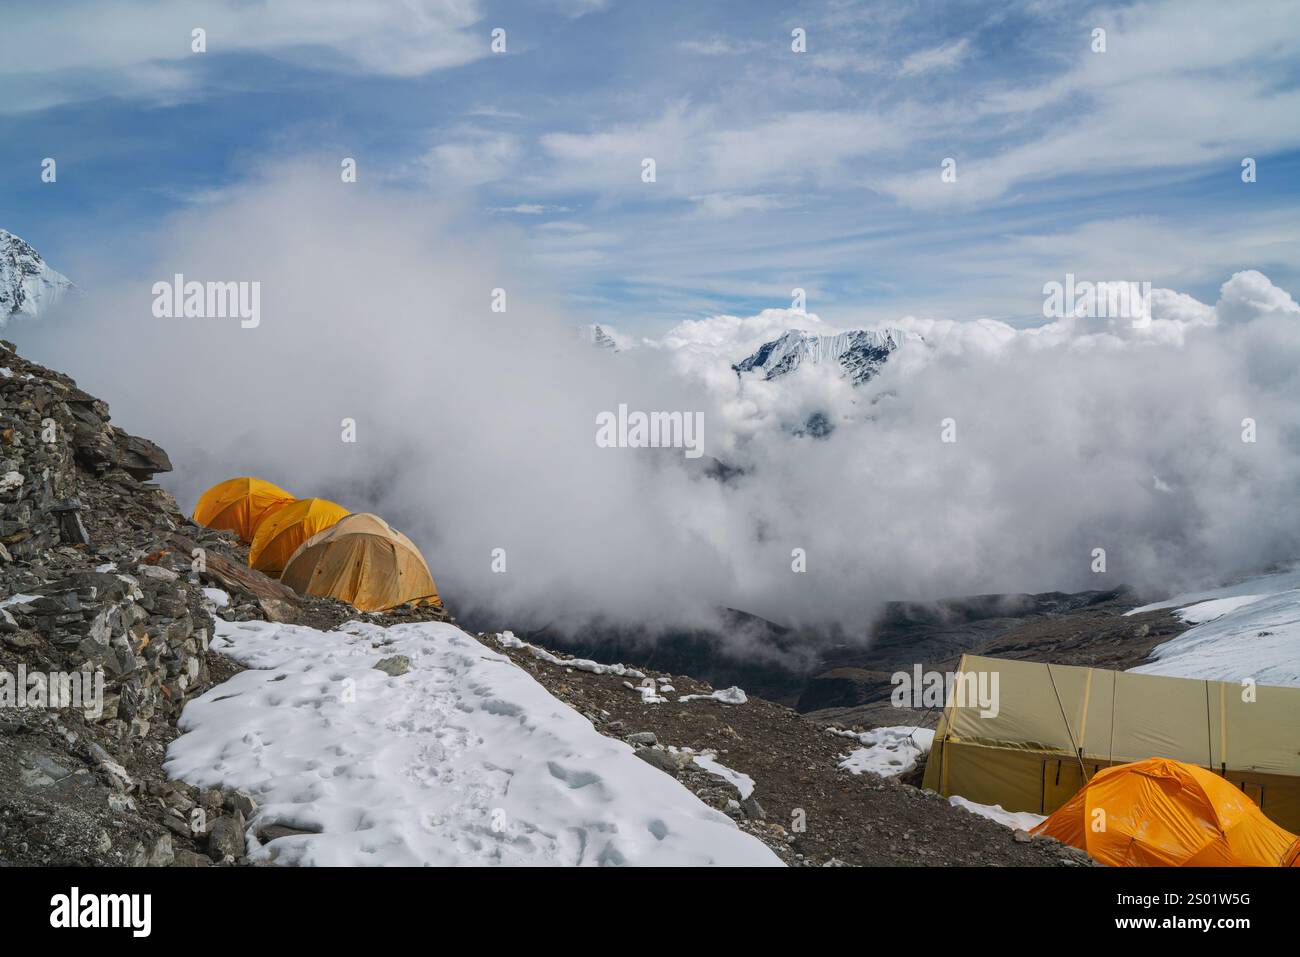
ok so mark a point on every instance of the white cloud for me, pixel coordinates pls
(579, 8)
(698, 152)
(718, 46)
(946, 56)
(726, 205)
(1180, 86)
(494, 113)
(476, 429)
(729, 339)
(570, 244)
(1249, 295)
(139, 48)
(473, 158)
(531, 209)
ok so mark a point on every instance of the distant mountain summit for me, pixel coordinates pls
(28, 287)
(859, 354)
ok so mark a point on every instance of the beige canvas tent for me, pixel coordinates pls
(1055, 726)
(363, 561)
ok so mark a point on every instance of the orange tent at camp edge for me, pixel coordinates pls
(1163, 813)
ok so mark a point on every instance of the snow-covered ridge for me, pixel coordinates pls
(462, 759)
(859, 353)
(1250, 629)
(28, 287)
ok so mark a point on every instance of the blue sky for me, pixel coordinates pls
(775, 169)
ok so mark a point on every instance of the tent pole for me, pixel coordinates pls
(1078, 751)
(1209, 732)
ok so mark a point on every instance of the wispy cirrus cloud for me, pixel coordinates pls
(946, 56)
(141, 49)
(1223, 83)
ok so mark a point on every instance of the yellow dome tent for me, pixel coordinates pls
(239, 505)
(1163, 813)
(363, 561)
(281, 532)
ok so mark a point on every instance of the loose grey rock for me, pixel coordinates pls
(394, 666)
(272, 832)
(659, 759)
(242, 802)
(161, 854)
(116, 774)
(157, 573)
(643, 738)
(753, 810)
(226, 839)
(278, 611)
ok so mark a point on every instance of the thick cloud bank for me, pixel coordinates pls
(476, 429)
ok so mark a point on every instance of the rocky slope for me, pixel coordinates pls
(101, 576)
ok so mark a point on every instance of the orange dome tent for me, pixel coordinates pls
(1162, 813)
(363, 561)
(281, 532)
(239, 505)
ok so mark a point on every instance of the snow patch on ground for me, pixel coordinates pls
(732, 695)
(742, 782)
(465, 759)
(649, 693)
(886, 751)
(507, 639)
(1017, 820)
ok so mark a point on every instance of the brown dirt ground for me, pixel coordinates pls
(853, 820)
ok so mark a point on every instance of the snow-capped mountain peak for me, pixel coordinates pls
(603, 339)
(859, 353)
(28, 287)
